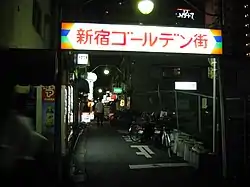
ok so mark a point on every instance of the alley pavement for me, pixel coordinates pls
(112, 159)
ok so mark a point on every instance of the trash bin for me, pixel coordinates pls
(198, 153)
(188, 144)
(181, 144)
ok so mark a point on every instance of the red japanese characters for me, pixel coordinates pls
(106, 38)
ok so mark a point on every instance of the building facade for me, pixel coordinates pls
(247, 27)
(150, 73)
(237, 28)
(25, 24)
(146, 77)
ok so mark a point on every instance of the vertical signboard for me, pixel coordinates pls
(82, 59)
(48, 108)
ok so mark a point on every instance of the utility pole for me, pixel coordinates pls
(222, 104)
(56, 29)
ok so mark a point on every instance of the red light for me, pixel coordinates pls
(114, 96)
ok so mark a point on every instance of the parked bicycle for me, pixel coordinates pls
(153, 128)
(75, 131)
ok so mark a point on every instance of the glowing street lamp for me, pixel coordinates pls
(145, 6)
(100, 90)
(106, 71)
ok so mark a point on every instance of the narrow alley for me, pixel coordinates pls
(111, 158)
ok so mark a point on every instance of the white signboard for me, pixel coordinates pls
(112, 37)
(83, 59)
(91, 78)
(186, 85)
(85, 117)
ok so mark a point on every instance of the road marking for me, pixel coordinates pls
(159, 165)
(144, 150)
(127, 138)
(122, 131)
(148, 150)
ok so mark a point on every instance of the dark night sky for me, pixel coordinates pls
(127, 13)
(124, 13)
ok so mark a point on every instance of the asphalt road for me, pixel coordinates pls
(112, 159)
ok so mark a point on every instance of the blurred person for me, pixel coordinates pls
(26, 156)
(99, 112)
(19, 143)
(21, 148)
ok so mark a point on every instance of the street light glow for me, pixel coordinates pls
(100, 90)
(145, 6)
(106, 71)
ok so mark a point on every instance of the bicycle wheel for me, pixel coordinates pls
(133, 134)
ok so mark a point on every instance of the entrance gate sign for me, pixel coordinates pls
(137, 38)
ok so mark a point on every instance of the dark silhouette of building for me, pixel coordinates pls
(236, 28)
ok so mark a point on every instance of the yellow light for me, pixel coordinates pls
(146, 6)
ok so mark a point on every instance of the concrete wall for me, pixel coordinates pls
(17, 30)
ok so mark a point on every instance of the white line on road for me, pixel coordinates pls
(148, 150)
(144, 150)
(127, 138)
(159, 165)
(122, 131)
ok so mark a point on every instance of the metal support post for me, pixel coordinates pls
(67, 110)
(222, 121)
(58, 85)
(57, 129)
(176, 110)
(221, 102)
(214, 104)
(159, 95)
(75, 103)
(199, 114)
(245, 131)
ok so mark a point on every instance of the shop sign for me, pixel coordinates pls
(86, 117)
(48, 93)
(117, 90)
(138, 38)
(48, 109)
(82, 59)
(184, 14)
(185, 85)
(113, 97)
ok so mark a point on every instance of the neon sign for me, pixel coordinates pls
(112, 37)
(184, 14)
